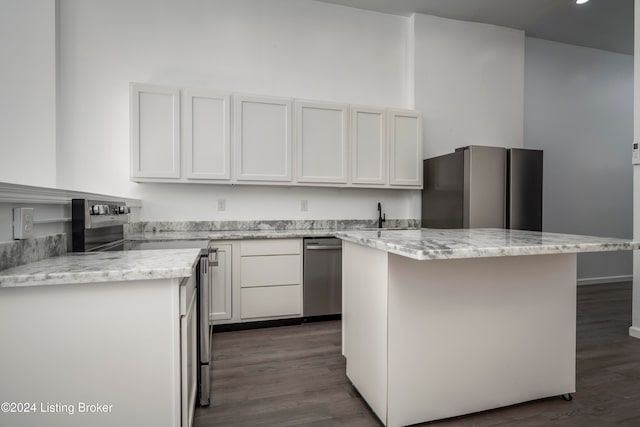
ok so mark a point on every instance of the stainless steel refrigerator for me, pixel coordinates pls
(483, 187)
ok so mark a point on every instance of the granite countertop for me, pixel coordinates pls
(85, 267)
(427, 244)
(229, 235)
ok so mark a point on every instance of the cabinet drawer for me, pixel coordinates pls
(270, 270)
(270, 247)
(270, 301)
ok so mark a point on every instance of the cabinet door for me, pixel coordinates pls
(262, 139)
(368, 146)
(189, 361)
(206, 139)
(405, 148)
(221, 288)
(321, 142)
(155, 131)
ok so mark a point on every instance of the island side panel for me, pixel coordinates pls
(467, 335)
(108, 343)
(364, 323)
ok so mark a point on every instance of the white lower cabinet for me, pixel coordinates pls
(127, 349)
(270, 279)
(188, 350)
(269, 270)
(220, 295)
(257, 280)
(271, 301)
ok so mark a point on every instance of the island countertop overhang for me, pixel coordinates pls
(433, 244)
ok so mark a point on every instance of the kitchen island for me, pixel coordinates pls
(99, 339)
(441, 323)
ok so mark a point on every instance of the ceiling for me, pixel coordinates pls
(600, 24)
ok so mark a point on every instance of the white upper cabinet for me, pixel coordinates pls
(155, 131)
(206, 135)
(219, 138)
(405, 148)
(368, 146)
(262, 139)
(322, 142)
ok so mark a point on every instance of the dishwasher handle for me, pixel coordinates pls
(323, 247)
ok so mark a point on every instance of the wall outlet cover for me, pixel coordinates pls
(222, 205)
(22, 223)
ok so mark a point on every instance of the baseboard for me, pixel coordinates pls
(634, 331)
(605, 279)
(227, 327)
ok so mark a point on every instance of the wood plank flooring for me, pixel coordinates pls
(295, 376)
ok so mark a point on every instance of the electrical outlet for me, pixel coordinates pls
(304, 205)
(22, 223)
(222, 205)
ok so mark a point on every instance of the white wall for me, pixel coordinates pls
(292, 48)
(40, 212)
(469, 84)
(579, 110)
(28, 92)
(635, 328)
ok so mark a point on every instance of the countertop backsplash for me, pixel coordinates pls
(19, 252)
(313, 224)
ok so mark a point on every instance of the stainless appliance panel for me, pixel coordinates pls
(322, 277)
(204, 329)
(443, 189)
(524, 168)
(485, 187)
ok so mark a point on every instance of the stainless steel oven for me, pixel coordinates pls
(99, 226)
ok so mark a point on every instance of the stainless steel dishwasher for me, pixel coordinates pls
(322, 277)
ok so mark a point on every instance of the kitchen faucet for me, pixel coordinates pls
(381, 217)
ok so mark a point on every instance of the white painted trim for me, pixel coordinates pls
(634, 331)
(605, 279)
(17, 193)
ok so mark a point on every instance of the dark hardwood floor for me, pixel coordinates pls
(295, 375)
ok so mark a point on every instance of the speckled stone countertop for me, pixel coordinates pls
(93, 267)
(427, 244)
(227, 235)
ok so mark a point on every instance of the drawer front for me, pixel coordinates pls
(270, 270)
(270, 247)
(271, 301)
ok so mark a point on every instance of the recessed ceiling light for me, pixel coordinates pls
(581, 1)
